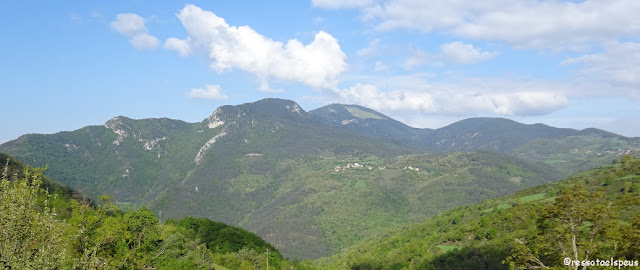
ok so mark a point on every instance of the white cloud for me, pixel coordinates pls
(317, 64)
(144, 41)
(418, 58)
(522, 102)
(131, 25)
(209, 92)
(370, 96)
(335, 4)
(370, 50)
(461, 53)
(464, 98)
(454, 52)
(523, 23)
(178, 45)
(380, 67)
(614, 71)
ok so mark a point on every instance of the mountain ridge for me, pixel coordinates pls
(568, 149)
(267, 165)
(317, 113)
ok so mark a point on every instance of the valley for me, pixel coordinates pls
(320, 134)
(523, 230)
(311, 183)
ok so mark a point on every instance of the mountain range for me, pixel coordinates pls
(572, 150)
(311, 183)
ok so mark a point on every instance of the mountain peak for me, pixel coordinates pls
(268, 108)
(119, 127)
(370, 122)
(599, 132)
(115, 120)
(349, 113)
(271, 105)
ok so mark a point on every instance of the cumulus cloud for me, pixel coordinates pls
(493, 96)
(132, 26)
(521, 103)
(178, 45)
(317, 64)
(461, 53)
(370, 96)
(209, 92)
(335, 4)
(523, 23)
(616, 68)
(144, 41)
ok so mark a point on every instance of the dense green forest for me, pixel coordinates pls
(310, 183)
(534, 228)
(593, 215)
(53, 230)
(315, 207)
(275, 170)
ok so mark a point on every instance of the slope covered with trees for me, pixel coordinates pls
(593, 215)
(35, 236)
(291, 176)
(270, 167)
(311, 208)
(566, 149)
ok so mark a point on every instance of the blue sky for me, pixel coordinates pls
(69, 64)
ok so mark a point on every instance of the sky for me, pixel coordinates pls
(69, 64)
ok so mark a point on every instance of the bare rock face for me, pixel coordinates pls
(206, 146)
(215, 120)
(119, 128)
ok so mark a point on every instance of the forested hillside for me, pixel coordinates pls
(35, 235)
(568, 150)
(533, 228)
(310, 208)
(310, 183)
(319, 134)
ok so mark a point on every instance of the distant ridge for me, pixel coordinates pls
(568, 149)
(370, 122)
(497, 134)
